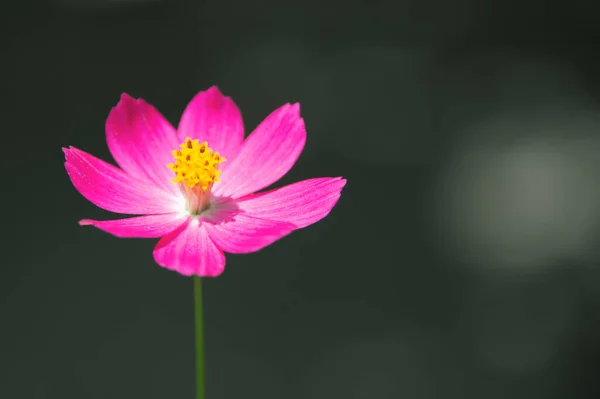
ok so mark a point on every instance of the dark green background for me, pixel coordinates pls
(368, 303)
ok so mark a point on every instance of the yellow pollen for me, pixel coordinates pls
(196, 164)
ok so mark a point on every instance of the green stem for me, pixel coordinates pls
(199, 338)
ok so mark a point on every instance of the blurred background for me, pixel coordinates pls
(462, 260)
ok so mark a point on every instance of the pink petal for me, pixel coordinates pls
(302, 203)
(141, 140)
(213, 118)
(241, 233)
(150, 226)
(112, 189)
(189, 250)
(266, 155)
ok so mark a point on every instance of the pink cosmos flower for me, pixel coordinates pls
(196, 185)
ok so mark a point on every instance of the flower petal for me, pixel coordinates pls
(213, 118)
(112, 189)
(241, 233)
(302, 203)
(141, 140)
(190, 251)
(266, 155)
(149, 226)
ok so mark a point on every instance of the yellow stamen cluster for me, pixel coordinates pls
(196, 164)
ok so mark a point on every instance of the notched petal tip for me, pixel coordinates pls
(295, 108)
(338, 181)
(68, 150)
(125, 97)
(214, 89)
(211, 98)
(289, 109)
(71, 155)
(342, 181)
(125, 106)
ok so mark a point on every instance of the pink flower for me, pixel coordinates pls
(196, 185)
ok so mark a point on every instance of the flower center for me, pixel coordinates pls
(196, 169)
